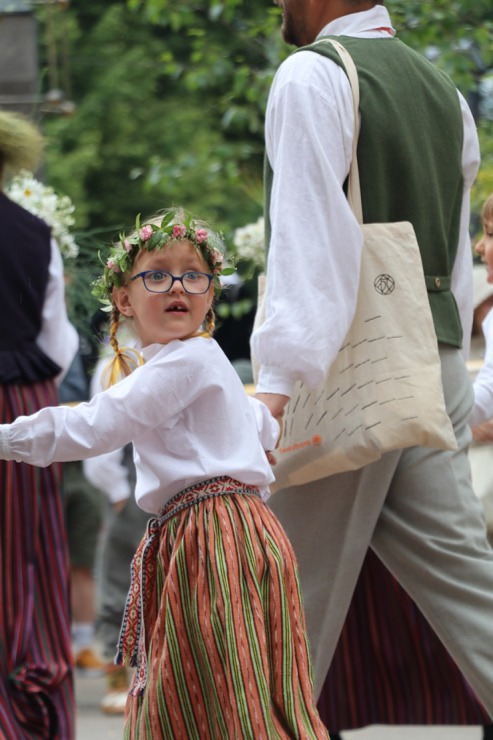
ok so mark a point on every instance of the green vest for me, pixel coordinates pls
(409, 156)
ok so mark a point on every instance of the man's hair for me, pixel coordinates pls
(356, 3)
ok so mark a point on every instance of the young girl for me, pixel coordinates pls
(483, 385)
(213, 621)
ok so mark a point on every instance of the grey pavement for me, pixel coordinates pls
(93, 725)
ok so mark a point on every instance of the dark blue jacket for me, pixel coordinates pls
(25, 253)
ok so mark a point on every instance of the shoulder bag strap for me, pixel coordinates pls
(354, 189)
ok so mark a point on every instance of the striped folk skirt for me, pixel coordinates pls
(214, 624)
(389, 666)
(36, 681)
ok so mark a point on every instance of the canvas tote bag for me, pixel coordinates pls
(384, 390)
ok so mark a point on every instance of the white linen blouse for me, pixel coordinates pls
(186, 412)
(57, 338)
(315, 249)
(483, 384)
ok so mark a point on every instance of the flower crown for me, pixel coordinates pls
(176, 225)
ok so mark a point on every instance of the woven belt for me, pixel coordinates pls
(222, 486)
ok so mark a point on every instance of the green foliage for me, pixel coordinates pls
(140, 138)
(170, 101)
(80, 274)
(227, 54)
(231, 49)
(459, 32)
(171, 98)
(483, 186)
(138, 141)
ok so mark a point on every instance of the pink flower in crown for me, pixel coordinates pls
(179, 231)
(216, 257)
(145, 233)
(111, 265)
(127, 246)
(217, 261)
(201, 235)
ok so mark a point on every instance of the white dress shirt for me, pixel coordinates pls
(315, 249)
(186, 412)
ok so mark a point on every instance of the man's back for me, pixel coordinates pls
(410, 158)
(414, 507)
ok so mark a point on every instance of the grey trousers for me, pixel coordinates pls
(417, 510)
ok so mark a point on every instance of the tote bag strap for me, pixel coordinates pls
(354, 190)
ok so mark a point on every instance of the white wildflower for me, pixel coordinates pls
(250, 244)
(42, 201)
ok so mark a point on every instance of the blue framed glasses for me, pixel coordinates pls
(158, 281)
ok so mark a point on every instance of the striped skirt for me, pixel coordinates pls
(214, 624)
(389, 666)
(36, 686)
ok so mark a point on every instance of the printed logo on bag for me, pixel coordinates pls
(384, 284)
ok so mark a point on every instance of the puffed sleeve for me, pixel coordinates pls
(58, 337)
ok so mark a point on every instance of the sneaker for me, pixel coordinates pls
(115, 699)
(88, 662)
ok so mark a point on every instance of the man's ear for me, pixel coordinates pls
(122, 301)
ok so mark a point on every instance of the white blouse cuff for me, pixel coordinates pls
(275, 380)
(5, 451)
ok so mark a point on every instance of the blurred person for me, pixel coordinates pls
(483, 384)
(114, 475)
(84, 509)
(482, 413)
(481, 449)
(37, 345)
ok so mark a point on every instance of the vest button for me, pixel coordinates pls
(438, 282)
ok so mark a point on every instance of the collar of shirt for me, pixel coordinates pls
(371, 23)
(151, 350)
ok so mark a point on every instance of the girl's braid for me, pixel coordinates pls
(210, 321)
(124, 360)
(114, 321)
